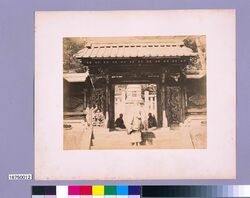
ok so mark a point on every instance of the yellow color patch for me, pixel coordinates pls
(97, 190)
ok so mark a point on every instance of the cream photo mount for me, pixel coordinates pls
(54, 163)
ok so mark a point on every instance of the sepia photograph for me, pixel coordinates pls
(134, 92)
(135, 95)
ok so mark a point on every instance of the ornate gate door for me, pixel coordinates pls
(174, 105)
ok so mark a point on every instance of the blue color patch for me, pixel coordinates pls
(122, 190)
(134, 190)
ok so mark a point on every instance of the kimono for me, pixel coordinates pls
(137, 124)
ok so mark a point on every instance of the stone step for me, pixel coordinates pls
(106, 140)
(111, 139)
(110, 136)
(163, 138)
(110, 143)
(160, 145)
(107, 147)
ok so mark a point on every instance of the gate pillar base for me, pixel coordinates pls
(107, 120)
(164, 119)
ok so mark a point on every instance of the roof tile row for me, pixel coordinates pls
(134, 50)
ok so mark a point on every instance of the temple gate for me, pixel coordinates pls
(171, 67)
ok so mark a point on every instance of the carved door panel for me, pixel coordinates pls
(174, 105)
(97, 99)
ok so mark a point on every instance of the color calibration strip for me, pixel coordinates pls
(196, 191)
(139, 191)
(86, 191)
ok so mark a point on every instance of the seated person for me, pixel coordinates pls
(119, 123)
(151, 121)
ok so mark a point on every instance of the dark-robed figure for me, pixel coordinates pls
(151, 121)
(119, 123)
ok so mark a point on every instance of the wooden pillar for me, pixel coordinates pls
(159, 105)
(163, 100)
(147, 102)
(107, 101)
(164, 115)
(123, 100)
(112, 107)
(84, 99)
(183, 105)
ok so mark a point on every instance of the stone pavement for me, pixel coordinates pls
(162, 138)
(78, 137)
(82, 138)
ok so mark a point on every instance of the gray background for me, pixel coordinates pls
(17, 89)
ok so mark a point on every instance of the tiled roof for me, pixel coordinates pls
(75, 77)
(134, 50)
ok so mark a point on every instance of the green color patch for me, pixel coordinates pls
(110, 190)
